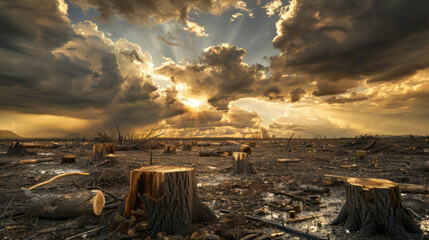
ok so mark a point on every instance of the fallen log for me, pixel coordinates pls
(169, 196)
(32, 161)
(404, 187)
(235, 148)
(65, 205)
(374, 205)
(287, 160)
(212, 153)
(51, 145)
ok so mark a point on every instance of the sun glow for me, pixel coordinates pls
(192, 103)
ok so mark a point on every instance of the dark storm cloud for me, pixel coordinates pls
(353, 98)
(273, 93)
(234, 121)
(148, 11)
(296, 94)
(21, 28)
(48, 66)
(220, 76)
(340, 43)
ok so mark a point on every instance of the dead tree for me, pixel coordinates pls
(141, 143)
(169, 196)
(118, 132)
(64, 205)
(374, 205)
(102, 136)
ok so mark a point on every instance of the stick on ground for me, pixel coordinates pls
(56, 177)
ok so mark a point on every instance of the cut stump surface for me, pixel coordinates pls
(374, 205)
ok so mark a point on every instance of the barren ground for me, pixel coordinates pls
(396, 159)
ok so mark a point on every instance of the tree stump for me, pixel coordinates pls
(187, 147)
(64, 205)
(241, 163)
(170, 149)
(374, 205)
(68, 159)
(360, 154)
(100, 150)
(169, 196)
(17, 149)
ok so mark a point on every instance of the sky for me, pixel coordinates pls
(204, 68)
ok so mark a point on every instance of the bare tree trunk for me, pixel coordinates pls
(169, 196)
(374, 205)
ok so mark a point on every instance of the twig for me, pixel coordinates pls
(58, 176)
(4, 212)
(89, 231)
(280, 226)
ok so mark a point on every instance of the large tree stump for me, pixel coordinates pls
(64, 205)
(100, 150)
(374, 205)
(17, 149)
(169, 196)
(241, 163)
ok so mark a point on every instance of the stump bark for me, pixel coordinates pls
(100, 150)
(65, 205)
(374, 205)
(169, 196)
(241, 163)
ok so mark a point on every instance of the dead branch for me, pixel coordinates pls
(58, 176)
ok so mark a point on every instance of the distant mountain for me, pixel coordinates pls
(8, 134)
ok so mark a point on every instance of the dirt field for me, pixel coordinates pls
(396, 159)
